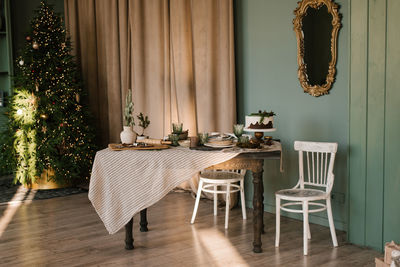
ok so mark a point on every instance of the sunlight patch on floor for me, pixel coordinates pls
(216, 248)
(20, 197)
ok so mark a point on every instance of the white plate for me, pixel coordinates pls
(260, 130)
(218, 146)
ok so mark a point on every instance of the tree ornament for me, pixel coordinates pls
(28, 38)
(21, 62)
(35, 45)
(44, 116)
(59, 69)
(63, 45)
(77, 97)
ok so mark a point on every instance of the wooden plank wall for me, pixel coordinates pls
(358, 120)
(391, 223)
(374, 184)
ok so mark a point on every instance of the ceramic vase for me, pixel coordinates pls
(127, 135)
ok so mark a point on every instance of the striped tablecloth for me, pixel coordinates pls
(124, 182)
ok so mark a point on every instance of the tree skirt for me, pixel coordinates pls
(11, 193)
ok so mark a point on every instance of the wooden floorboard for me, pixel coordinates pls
(66, 231)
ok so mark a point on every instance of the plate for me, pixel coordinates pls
(260, 130)
(218, 146)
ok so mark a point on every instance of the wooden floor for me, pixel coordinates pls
(66, 231)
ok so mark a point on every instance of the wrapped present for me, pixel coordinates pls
(380, 263)
(389, 248)
(395, 258)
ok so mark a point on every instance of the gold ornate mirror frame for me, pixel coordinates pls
(300, 12)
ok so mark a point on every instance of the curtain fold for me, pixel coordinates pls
(176, 55)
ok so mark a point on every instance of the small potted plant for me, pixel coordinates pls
(128, 135)
(143, 123)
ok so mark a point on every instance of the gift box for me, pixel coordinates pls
(389, 248)
(380, 263)
(395, 258)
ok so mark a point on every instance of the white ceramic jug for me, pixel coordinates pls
(127, 135)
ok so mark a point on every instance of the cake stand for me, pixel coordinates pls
(259, 133)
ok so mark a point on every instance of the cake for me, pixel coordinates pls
(260, 120)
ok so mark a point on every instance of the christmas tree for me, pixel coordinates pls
(48, 124)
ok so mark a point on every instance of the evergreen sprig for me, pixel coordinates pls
(263, 114)
(143, 122)
(129, 120)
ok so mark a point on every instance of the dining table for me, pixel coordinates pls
(124, 183)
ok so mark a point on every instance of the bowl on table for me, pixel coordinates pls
(182, 135)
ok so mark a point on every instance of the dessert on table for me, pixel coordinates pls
(260, 121)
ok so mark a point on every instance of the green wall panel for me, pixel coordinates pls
(392, 129)
(266, 58)
(375, 122)
(358, 120)
(4, 53)
(374, 183)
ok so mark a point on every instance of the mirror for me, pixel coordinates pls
(316, 25)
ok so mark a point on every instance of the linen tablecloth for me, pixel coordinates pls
(123, 183)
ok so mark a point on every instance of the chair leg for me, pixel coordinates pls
(309, 232)
(196, 205)
(215, 201)
(278, 221)
(305, 227)
(243, 200)
(331, 224)
(228, 199)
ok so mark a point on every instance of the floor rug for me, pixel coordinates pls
(13, 193)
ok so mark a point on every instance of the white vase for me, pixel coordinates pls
(127, 135)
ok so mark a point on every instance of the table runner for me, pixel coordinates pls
(123, 183)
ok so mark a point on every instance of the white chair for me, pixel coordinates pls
(227, 179)
(320, 158)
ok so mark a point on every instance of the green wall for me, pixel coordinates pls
(361, 113)
(266, 69)
(374, 210)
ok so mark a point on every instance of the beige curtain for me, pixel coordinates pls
(176, 55)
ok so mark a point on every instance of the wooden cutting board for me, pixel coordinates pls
(119, 147)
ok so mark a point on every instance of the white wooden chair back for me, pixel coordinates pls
(316, 161)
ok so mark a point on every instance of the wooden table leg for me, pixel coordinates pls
(262, 206)
(143, 221)
(257, 210)
(129, 235)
